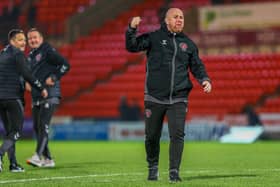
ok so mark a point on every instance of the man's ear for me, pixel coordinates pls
(166, 21)
(12, 42)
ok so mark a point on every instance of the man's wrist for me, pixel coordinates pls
(54, 78)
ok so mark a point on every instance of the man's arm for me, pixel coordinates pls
(133, 43)
(198, 70)
(55, 58)
(25, 72)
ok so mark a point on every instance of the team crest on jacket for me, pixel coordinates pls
(38, 57)
(183, 46)
(148, 113)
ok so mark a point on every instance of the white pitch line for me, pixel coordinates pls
(121, 174)
(66, 177)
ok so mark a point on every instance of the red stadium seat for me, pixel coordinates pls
(101, 65)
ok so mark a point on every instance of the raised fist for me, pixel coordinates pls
(135, 22)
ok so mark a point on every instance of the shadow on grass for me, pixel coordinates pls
(219, 176)
(84, 164)
(74, 165)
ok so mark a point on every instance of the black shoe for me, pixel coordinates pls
(153, 174)
(15, 168)
(174, 176)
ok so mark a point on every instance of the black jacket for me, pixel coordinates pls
(13, 70)
(46, 62)
(170, 56)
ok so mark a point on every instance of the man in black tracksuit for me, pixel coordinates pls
(49, 66)
(170, 55)
(13, 69)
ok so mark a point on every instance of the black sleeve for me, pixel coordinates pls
(56, 59)
(136, 44)
(25, 72)
(197, 67)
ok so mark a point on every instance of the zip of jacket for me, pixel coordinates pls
(173, 68)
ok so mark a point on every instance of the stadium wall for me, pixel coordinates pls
(130, 131)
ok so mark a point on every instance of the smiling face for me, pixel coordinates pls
(35, 39)
(174, 20)
(19, 41)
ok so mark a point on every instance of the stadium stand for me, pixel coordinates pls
(185, 5)
(51, 15)
(237, 80)
(271, 105)
(106, 47)
(9, 13)
(102, 71)
(94, 57)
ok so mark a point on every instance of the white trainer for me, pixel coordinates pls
(35, 161)
(47, 163)
(1, 167)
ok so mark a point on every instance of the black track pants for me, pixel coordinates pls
(154, 116)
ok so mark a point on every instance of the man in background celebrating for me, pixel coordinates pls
(49, 66)
(13, 69)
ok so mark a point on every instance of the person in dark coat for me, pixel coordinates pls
(170, 56)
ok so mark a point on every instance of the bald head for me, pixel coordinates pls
(174, 19)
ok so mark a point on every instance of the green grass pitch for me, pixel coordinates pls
(93, 163)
